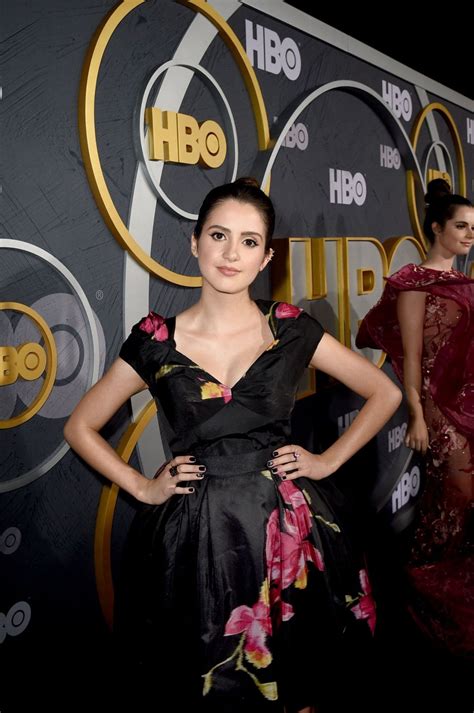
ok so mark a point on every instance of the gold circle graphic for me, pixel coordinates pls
(410, 176)
(50, 346)
(105, 515)
(88, 137)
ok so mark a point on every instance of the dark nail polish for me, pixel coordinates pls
(274, 470)
(190, 490)
(275, 453)
(199, 475)
(283, 477)
(202, 468)
(270, 462)
(192, 459)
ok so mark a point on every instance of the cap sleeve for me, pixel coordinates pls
(304, 329)
(312, 332)
(146, 346)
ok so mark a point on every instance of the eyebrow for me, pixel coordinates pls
(227, 230)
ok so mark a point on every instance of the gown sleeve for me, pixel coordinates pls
(312, 332)
(146, 347)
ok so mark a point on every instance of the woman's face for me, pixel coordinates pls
(231, 247)
(457, 235)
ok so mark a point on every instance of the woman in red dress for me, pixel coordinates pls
(425, 323)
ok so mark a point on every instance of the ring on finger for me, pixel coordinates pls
(174, 471)
(296, 455)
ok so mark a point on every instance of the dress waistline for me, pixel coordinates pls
(236, 464)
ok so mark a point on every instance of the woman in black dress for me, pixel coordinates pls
(243, 583)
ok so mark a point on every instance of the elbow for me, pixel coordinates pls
(394, 396)
(70, 431)
(387, 393)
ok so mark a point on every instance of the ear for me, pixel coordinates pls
(268, 256)
(436, 228)
(194, 245)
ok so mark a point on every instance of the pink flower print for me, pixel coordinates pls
(211, 390)
(288, 551)
(285, 310)
(293, 496)
(365, 608)
(155, 325)
(295, 554)
(256, 624)
(273, 553)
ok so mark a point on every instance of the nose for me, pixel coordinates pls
(231, 252)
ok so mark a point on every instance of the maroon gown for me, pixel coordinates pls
(441, 563)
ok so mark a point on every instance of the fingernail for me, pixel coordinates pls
(283, 477)
(199, 475)
(190, 490)
(274, 470)
(275, 453)
(192, 459)
(270, 462)
(202, 468)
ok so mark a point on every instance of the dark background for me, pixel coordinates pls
(437, 44)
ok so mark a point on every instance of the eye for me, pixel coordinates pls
(250, 242)
(217, 235)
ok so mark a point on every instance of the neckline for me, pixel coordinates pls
(447, 274)
(171, 331)
(440, 272)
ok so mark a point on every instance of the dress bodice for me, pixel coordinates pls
(200, 415)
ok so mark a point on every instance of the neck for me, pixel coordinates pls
(219, 310)
(439, 259)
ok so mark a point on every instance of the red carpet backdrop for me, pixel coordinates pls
(117, 118)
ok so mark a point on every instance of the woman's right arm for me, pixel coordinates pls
(411, 317)
(93, 412)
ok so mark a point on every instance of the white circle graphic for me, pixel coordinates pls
(149, 165)
(94, 364)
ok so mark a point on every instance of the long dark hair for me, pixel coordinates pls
(441, 205)
(246, 190)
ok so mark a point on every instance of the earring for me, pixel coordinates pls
(269, 257)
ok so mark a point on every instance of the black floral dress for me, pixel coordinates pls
(245, 595)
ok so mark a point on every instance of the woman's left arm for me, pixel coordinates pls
(362, 377)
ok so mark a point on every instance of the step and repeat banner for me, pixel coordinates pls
(117, 119)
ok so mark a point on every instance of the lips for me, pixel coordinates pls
(228, 271)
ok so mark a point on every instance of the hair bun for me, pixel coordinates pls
(247, 181)
(438, 188)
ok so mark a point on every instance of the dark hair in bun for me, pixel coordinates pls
(246, 190)
(441, 205)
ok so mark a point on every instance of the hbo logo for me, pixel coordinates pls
(398, 101)
(389, 157)
(346, 188)
(273, 54)
(297, 135)
(408, 487)
(27, 361)
(344, 421)
(179, 138)
(396, 436)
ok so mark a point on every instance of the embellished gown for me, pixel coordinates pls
(249, 594)
(441, 564)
